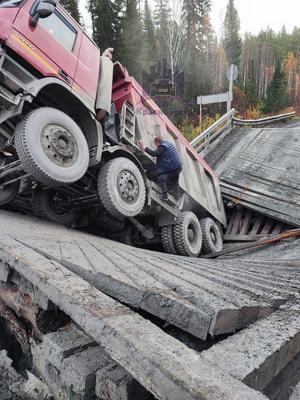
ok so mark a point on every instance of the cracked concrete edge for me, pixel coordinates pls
(258, 353)
(163, 365)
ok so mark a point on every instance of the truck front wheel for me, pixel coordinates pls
(51, 147)
(121, 188)
(188, 235)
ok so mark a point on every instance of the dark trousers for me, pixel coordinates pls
(169, 182)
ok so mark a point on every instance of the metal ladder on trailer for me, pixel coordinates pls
(128, 135)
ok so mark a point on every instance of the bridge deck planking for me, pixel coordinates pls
(195, 302)
(197, 295)
(260, 169)
(163, 365)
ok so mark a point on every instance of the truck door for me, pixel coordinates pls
(52, 46)
(87, 73)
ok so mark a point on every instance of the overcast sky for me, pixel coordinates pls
(254, 14)
(258, 14)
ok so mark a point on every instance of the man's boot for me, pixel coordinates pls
(164, 196)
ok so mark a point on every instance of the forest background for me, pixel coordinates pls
(173, 44)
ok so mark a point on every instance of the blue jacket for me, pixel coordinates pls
(170, 159)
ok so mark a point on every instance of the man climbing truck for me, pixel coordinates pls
(54, 89)
(168, 164)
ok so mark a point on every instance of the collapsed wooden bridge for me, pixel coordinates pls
(112, 292)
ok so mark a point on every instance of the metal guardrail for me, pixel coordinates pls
(263, 121)
(208, 139)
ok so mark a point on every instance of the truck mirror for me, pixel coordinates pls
(42, 9)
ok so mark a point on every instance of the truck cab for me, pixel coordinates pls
(54, 47)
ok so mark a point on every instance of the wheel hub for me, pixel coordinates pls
(213, 236)
(191, 235)
(59, 145)
(128, 187)
(58, 202)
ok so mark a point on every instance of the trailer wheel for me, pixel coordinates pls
(212, 236)
(188, 235)
(121, 188)
(167, 238)
(52, 147)
(48, 204)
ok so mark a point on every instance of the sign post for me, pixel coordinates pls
(210, 99)
(231, 74)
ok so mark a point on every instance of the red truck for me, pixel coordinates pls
(70, 122)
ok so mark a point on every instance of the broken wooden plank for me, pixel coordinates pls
(246, 223)
(294, 233)
(237, 222)
(244, 238)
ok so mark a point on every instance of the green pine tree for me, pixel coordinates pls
(194, 11)
(276, 92)
(195, 14)
(133, 52)
(161, 22)
(232, 39)
(72, 7)
(106, 23)
(251, 85)
(150, 32)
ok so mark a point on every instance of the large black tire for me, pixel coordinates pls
(8, 192)
(44, 206)
(121, 188)
(212, 236)
(109, 223)
(167, 239)
(188, 235)
(52, 147)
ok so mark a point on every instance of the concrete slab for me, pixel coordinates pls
(164, 366)
(296, 393)
(4, 272)
(114, 383)
(69, 361)
(282, 386)
(7, 375)
(258, 353)
(63, 343)
(48, 372)
(27, 288)
(78, 373)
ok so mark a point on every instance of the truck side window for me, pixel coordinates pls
(60, 29)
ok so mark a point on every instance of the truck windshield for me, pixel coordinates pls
(10, 3)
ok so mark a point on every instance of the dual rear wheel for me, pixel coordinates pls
(190, 236)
